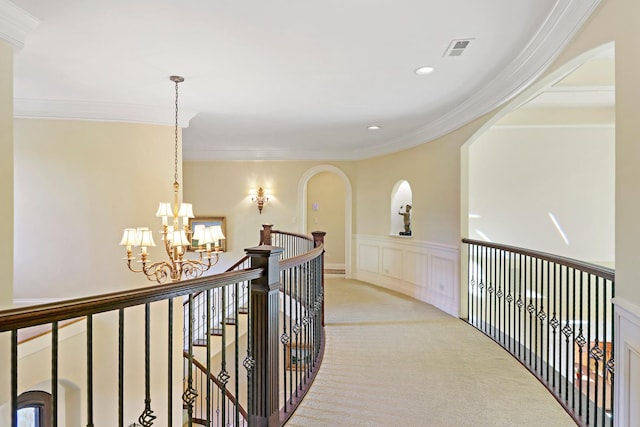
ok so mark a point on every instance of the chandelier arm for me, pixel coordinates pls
(158, 271)
(195, 268)
(167, 247)
(131, 268)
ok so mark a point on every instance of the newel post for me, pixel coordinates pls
(318, 239)
(265, 309)
(265, 234)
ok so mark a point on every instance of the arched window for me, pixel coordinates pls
(34, 409)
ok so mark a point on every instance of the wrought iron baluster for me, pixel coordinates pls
(573, 347)
(90, 371)
(121, 368)
(596, 351)
(236, 365)
(248, 362)
(54, 373)
(14, 378)
(469, 284)
(532, 309)
(223, 376)
(170, 361)
(208, 361)
(284, 338)
(555, 323)
(520, 303)
(611, 362)
(147, 417)
(580, 342)
(590, 314)
(190, 394)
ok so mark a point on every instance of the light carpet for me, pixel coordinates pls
(394, 361)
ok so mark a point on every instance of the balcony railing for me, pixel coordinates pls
(254, 371)
(555, 316)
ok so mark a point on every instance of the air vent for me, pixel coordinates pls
(457, 47)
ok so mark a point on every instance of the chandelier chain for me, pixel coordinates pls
(176, 139)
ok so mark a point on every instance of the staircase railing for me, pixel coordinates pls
(112, 320)
(219, 402)
(555, 316)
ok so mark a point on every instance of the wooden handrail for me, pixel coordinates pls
(300, 259)
(288, 233)
(217, 382)
(604, 272)
(238, 263)
(23, 317)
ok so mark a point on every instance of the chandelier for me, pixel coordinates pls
(178, 240)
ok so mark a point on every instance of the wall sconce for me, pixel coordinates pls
(260, 198)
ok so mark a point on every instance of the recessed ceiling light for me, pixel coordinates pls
(374, 127)
(423, 71)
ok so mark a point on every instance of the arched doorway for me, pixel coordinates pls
(540, 174)
(304, 208)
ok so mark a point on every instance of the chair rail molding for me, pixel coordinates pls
(426, 271)
(627, 345)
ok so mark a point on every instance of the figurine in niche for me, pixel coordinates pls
(407, 220)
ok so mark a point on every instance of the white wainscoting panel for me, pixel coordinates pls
(392, 262)
(627, 348)
(416, 267)
(368, 258)
(422, 270)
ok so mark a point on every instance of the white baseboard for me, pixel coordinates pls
(334, 266)
(627, 354)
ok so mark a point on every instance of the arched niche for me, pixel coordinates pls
(401, 197)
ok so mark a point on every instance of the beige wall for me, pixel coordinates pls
(326, 190)
(78, 185)
(433, 171)
(520, 174)
(6, 207)
(627, 152)
(222, 188)
(6, 174)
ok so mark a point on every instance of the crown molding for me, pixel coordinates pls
(564, 21)
(98, 111)
(197, 152)
(15, 24)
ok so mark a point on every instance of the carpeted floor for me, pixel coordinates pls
(394, 361)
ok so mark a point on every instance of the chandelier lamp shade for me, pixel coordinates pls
(178, 239)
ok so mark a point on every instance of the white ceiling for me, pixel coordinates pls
(281, 79)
